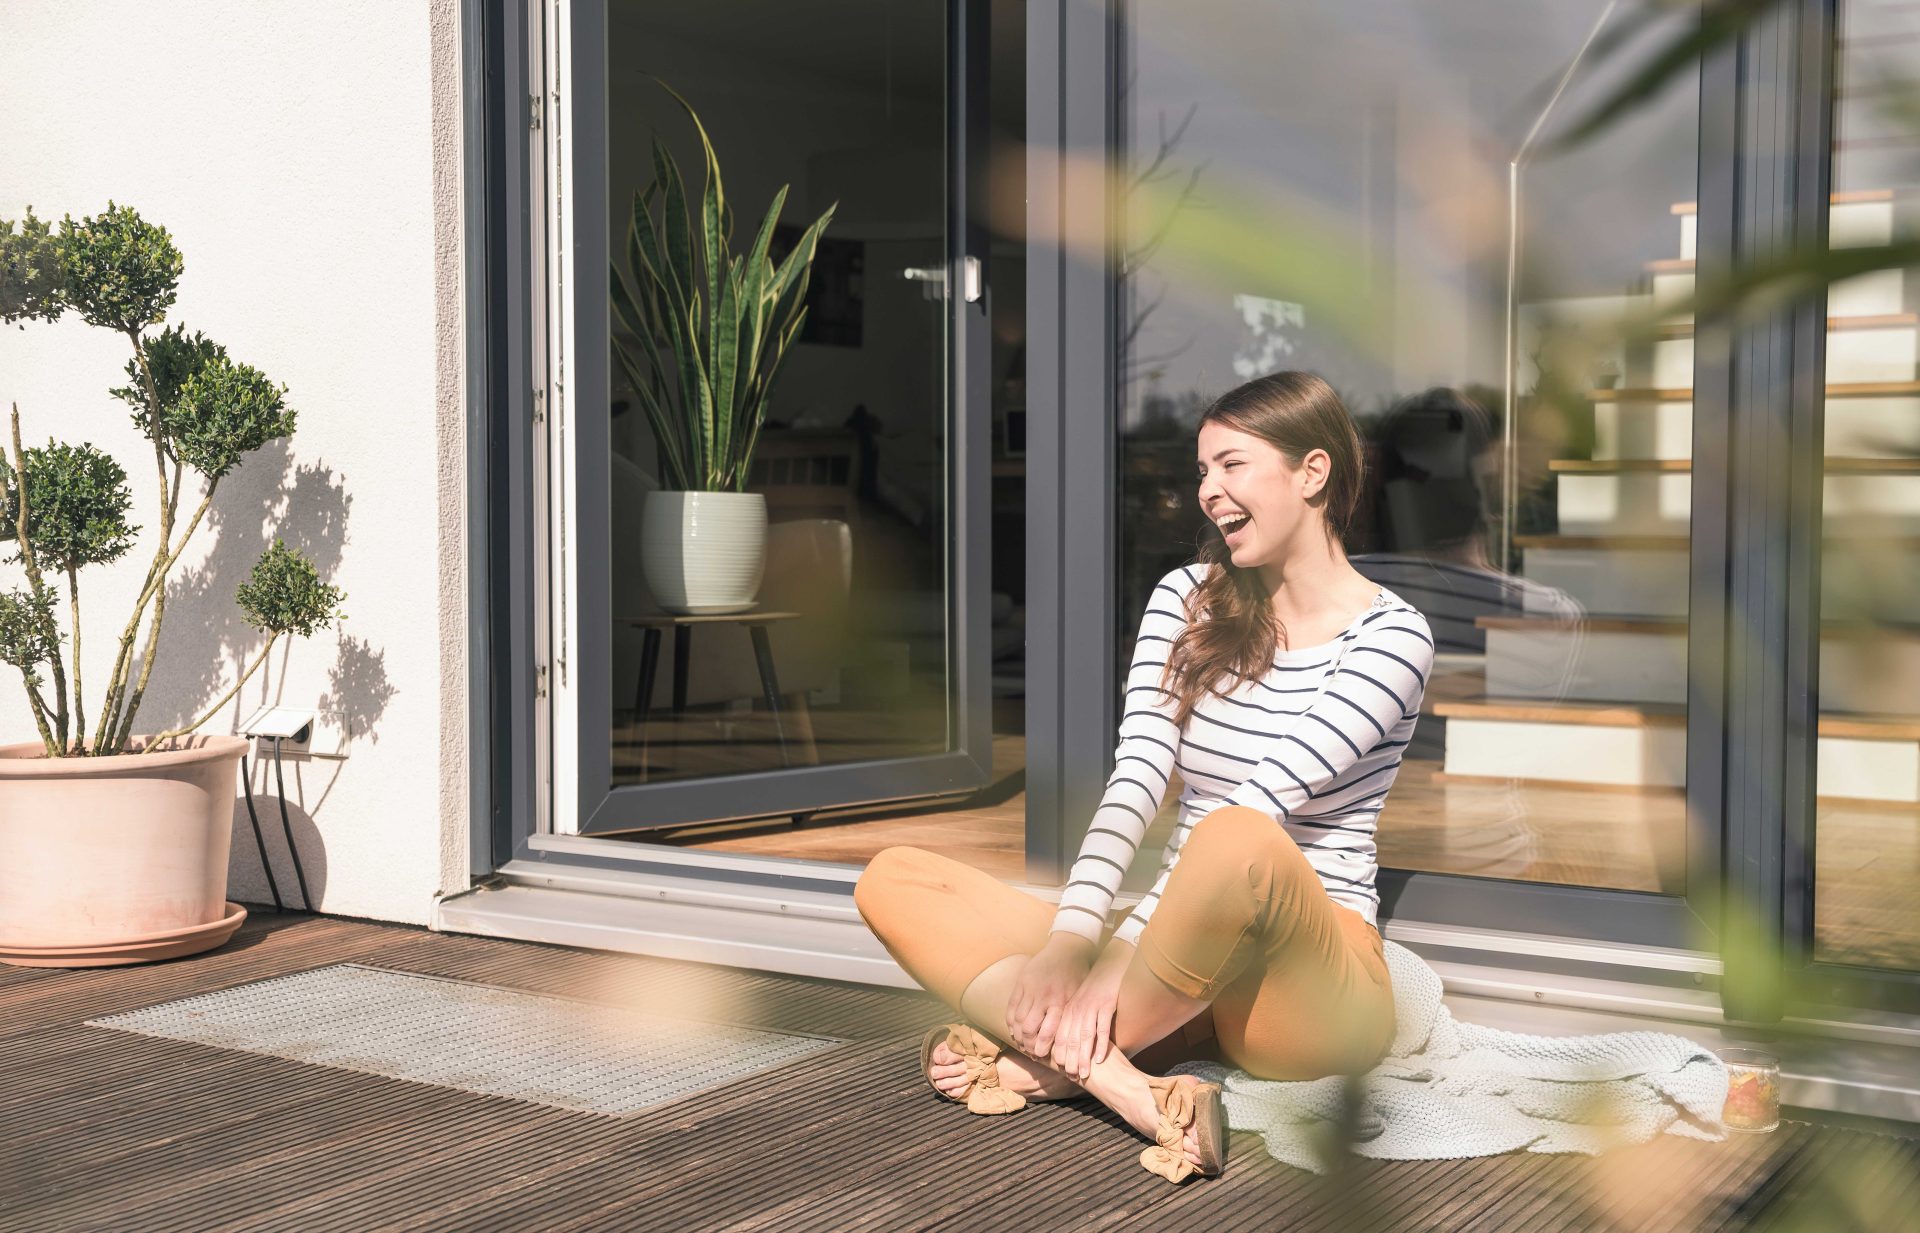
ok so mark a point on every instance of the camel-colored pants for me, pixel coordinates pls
(1298, 984)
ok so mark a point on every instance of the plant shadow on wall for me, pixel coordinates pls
(218, 431)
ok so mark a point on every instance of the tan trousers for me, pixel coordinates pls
(1298, 984)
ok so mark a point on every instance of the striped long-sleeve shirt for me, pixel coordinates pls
(1314, 744)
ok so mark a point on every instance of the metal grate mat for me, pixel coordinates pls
(478, 1038)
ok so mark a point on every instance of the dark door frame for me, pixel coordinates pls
(1765, 167)
(1765, 126)
(966, 764)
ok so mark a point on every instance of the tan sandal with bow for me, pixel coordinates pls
(1182, 1105)
(983, 1093)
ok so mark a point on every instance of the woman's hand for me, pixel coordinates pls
(1047, 983)
(1086, 1024)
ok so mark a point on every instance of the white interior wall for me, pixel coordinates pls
(306, 159)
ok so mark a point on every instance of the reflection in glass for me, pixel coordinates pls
(845, 657)
(1867, 839)
(1367, 191)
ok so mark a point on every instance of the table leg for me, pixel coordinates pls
(682, 645)
(649, 660)
(799, 716)
(643, 693)
(763, 655)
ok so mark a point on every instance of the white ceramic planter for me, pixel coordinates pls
(116, 860)
(704, 552)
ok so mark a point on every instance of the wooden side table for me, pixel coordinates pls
(756, 621)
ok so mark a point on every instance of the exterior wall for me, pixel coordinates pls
(307, 160)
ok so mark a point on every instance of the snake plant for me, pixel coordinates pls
(713, 326)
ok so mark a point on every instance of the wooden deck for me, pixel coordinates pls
(106, 1130)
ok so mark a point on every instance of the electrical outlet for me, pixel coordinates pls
(304, 734)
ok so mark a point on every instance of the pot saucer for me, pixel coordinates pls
(170, 944)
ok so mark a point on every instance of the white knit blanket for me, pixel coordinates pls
(1448, 1090)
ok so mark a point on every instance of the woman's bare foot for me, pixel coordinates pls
(1117, 1082)
(1018, 1073)
(1128, 1095)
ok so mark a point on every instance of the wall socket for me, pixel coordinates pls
(305, 733)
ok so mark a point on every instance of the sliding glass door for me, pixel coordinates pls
(858, 669)
(1377, 193)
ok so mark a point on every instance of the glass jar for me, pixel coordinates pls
(1753, 1090)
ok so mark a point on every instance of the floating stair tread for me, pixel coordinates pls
(1675, 625)
(1606, 543)
(1680, 543)
(1684, 393)
(1880, 321)
(1595, 625)
(1591, 714)
(1856, 196)
(1618, 466)
(1658, 715)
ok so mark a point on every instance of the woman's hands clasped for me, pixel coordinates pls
(1062, 1007)
(1046, 986)
(1086, 1024)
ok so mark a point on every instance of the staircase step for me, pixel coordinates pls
(1677, 543)
(1869, 758)
(1605, 543)
(1625, 466)
(1649, 576)
(1863, 419)
(1661, 715)
(1680, 393)
(1863, 350)
(1857, 196)
(1872, 669)
(1882, 321)
(1875, 293)
(1584, 714)
(1655, 496)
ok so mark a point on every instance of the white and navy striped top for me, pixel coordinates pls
(1315, 744)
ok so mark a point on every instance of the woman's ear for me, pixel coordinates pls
(1314, 470)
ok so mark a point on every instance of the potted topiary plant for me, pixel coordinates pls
(713, 329)
(113, 843)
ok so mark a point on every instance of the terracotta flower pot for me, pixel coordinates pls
(116, 860)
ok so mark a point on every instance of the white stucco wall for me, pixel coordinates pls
(306, 159)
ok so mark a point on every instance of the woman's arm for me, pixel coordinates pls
(1378, 684)
(1143, 766)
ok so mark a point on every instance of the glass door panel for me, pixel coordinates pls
(856, 669)
(1867, 811)
(1368, 192)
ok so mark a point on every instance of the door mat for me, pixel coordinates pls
(478, 1038)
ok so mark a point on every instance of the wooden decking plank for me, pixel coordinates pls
(344, 1111)
(344, 1197)
(576, 1176)
(1400, 1185)
(1065, 1150)
(1783, 1183)
(116, 1131)
(135, 1133)
(1468, 1187)
(265, 953)
(824, 1131)
(657, 1150)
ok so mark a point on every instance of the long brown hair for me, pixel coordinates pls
(1231, 630)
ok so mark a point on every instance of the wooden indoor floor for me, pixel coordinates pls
(1866, 905)
(106, 1130)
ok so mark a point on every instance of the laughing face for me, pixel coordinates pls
(1254, 497)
